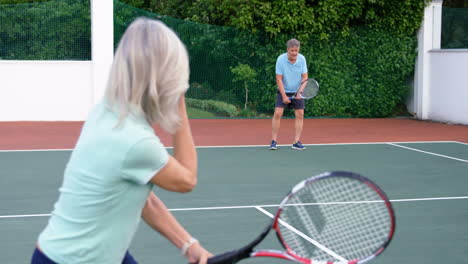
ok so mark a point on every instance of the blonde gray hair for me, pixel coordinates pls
(149, 74)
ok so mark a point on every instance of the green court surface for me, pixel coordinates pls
(427, 183)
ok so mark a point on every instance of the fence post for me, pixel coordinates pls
(436, 23)
(102, 44)
(429, 36)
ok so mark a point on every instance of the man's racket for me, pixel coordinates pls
(335, 217)
(307, 89)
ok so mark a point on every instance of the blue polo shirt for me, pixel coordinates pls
(292, 72)
(105, 186)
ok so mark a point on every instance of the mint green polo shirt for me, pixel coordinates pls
(105, 186)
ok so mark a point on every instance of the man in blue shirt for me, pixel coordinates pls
(291, 70)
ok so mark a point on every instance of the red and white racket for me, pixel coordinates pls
(335, 217)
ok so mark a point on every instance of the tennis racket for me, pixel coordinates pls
(335, 217)
(307, 89)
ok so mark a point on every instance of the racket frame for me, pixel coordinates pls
(295, 96)
(288, 254)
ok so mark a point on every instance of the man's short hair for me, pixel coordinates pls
(293, 43)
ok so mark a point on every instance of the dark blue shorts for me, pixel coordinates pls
(40, 258)
(294, 104)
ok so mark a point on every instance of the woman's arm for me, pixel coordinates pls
(180, 173)
(157, 216)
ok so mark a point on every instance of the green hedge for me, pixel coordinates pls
(361, 75)
(221, 108)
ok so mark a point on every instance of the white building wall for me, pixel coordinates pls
(45, 90)
(448, 93)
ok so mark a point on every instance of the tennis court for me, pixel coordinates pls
(426, 180)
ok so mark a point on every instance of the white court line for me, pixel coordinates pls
(34, 150)
(263, 206)
(326, 144)
(427, 152)
(307, 238)
(256, 146)
(23, 216)
(463, 143)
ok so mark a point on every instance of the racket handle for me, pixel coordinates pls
(229, 257)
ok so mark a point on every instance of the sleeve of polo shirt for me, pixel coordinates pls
(144, 160)
(304, 69)
(278, 68)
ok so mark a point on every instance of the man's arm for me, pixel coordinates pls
(279, 83)
(304, 77)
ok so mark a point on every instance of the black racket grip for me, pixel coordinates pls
(228, 257)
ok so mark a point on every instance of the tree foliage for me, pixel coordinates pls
(246, 75)
(301, 17)
(53, 30)
(8, 2)
(455, 3)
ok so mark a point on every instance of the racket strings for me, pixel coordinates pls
(298, 244)
(343, 229)
(344, 215)
(310, 90)
(352, 220)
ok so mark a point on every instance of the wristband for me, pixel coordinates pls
(187, 245)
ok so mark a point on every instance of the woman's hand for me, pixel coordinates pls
(197, 254)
